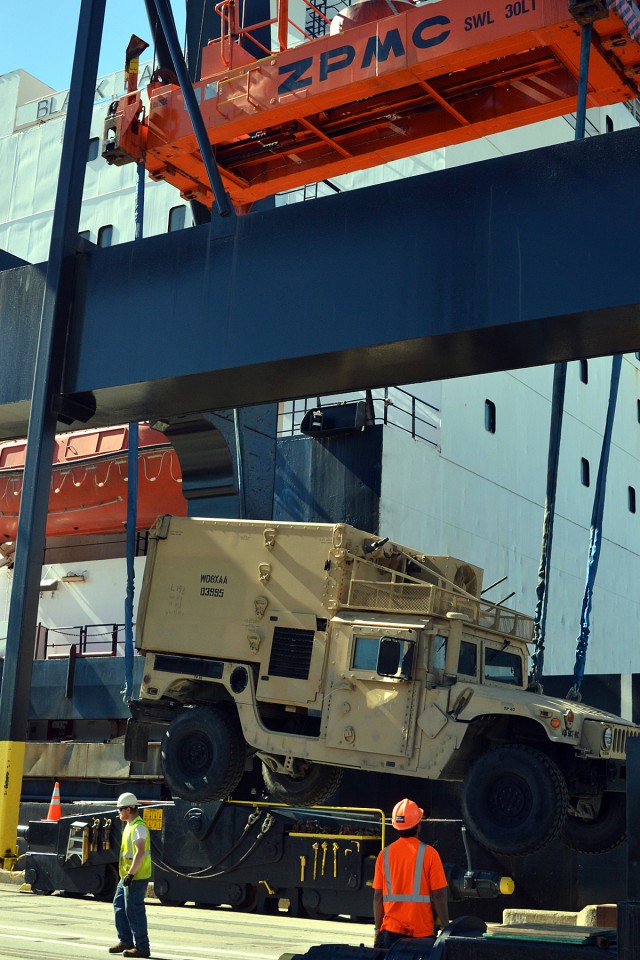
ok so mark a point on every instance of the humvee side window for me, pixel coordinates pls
(386, 656)
(468, 659)
(503, 667)
(439, 652)
(395, 658)
(365, 653)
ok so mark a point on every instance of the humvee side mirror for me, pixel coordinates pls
(395, 658)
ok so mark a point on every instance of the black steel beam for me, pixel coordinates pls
(51, 322)
(513, 262)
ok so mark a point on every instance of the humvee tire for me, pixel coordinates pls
(203, 753)
(514, 800)
(605, 832)
(317, 784)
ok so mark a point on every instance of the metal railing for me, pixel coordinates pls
(89, 640)
(393, 406)
(427, 599)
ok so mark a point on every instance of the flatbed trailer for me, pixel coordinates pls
(319, 861)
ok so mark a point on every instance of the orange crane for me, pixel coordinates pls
(389, 79)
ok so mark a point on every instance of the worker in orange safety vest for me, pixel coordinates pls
(409, 884)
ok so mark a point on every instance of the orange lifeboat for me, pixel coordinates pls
(89, 482)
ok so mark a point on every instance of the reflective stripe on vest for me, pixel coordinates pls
(415, 896)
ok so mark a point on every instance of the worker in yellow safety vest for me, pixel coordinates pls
(135, 871)
(409, 884)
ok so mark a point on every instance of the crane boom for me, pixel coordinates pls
(370, 91)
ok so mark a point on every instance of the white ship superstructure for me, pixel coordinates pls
(464, 460)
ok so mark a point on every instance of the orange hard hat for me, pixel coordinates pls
(406, 814)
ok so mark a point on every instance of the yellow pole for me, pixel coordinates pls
(11, 768)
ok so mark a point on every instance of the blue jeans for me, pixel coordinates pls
(130, 914)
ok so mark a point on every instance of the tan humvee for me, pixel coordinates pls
(317, 647)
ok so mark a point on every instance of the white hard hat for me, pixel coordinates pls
(126, 800)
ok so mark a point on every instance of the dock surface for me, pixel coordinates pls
(62, 928)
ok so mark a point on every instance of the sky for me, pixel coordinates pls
(39, 36)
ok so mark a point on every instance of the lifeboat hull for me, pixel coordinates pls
(89, 482)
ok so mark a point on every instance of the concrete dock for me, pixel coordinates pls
(61, 928)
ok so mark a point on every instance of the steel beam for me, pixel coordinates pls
(51, 321)
(513, 262)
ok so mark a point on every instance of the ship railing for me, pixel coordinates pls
(392, 406)
(89, 640)
(426, 599)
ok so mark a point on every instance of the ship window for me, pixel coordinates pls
(85, 234)
(584, 472)
(632, 499)
(584, 371)
(93, 148)
(105, 235)
(638, 356)
(638, 409)
(608, 124)
(490, 416)
(177, 217)
(502, 667)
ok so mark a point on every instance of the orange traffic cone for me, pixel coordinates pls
(55, 810)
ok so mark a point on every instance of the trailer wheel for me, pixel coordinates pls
(514, 800)
(203, 754)
(107, 890)
(247, 899)
(168, 902)
(311, 906)
(605, 832)
(316, 783)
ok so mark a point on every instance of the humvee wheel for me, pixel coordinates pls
(203, 753)
(604, 832)
(317, 783)
(514, 800)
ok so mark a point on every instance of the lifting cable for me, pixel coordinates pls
(555, 429)
(237, 431)
(132, 504)
(629, 15)
(595, 535)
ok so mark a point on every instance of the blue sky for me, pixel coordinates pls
(39, 36)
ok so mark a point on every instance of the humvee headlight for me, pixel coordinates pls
(607, 738)
(569, 718)
(555, 722)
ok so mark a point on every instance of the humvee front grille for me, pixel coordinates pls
(291, 653)
(619, 743)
